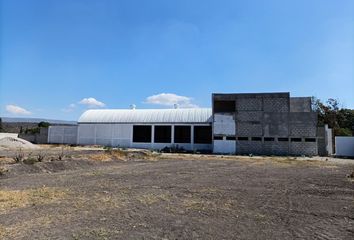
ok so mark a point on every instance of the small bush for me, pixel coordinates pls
(351, 175)
(61, 154)
(3, 171)
(41, 156)
(19, 156)
(173, 149)
(30, 161)
(107, 149)
(32, 130)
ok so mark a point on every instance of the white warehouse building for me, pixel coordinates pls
(247, 123)
(190, 129)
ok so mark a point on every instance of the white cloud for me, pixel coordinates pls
(17, 110)
(170, 99)
(92, 102)
(70, 108)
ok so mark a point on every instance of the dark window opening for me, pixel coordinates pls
(162, 134)
(182, 134)
(268, 139)
(218, 138)
(142, 134)
(231, 138)
(242, 138)
(224, 106)
(283, 139)
(202, 134)
(296, 139)
(310, 139)
(256, 139)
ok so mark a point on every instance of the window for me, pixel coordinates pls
(231, 138)
(218, 138)
(142, 134)
(182, 134)
(202, 134)
(283, 139)
(296, 139)
(242, 138)
(162, 134)
(268, 139)
(224, 106)
(310, 139)
(256, 139)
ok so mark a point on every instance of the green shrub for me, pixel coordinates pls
(43, 124)
(108, 149)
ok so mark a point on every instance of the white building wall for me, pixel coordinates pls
(121, 135)
(62, 134)
(224, 146)
(344, 146)
(328, 140)
(224, 125)
(105, 134)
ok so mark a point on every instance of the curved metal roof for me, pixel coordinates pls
(182, 115)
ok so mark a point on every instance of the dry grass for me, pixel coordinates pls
(281, 161)
(5, 160)
(19, 229)
(3, 170)
(96, 233)
(99, 201)
(201, 204)
(100, 157)
(149, 199)
(10, 199)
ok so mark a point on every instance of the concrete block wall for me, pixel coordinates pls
(276, 124)
(303, 148)
(276, 104)
(38, 138)
(276, 148)
(300, 104)
(273, 115)
(245, 129)
(249, 116)
(303, 124)
(249, 104)
(62, 134)
(249, 147)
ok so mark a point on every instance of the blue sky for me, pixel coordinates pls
(59, 58)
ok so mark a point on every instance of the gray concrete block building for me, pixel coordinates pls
(264, 123)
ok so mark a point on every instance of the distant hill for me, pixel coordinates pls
(35, 120)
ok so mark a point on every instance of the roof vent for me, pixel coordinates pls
(132, 106)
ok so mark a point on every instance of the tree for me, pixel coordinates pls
(43, 124)
(341, 120)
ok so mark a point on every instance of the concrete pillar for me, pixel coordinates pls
(192, 137)
(172, 134)
(152, 135)
(95, 134)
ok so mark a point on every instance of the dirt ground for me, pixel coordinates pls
(95, 194)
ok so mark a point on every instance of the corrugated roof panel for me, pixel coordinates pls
(182, 115)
